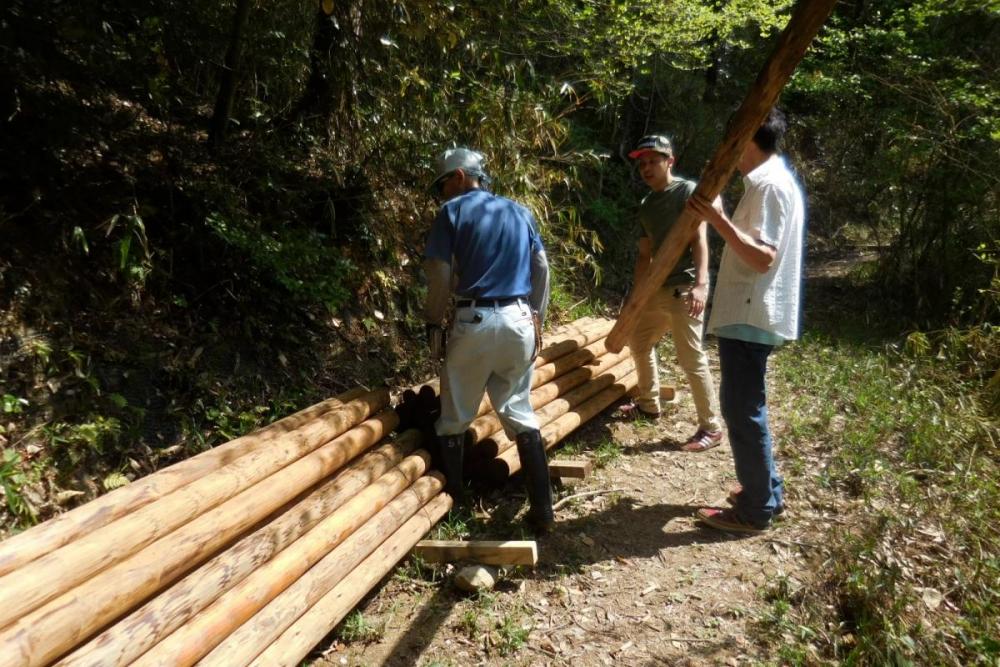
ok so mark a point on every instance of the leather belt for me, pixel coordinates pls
(488, 303)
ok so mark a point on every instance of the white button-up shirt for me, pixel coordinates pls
(773, 210)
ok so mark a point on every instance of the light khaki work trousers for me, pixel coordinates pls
(667, 310)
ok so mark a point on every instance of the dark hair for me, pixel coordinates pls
(769, 135)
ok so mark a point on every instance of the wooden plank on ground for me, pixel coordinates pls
(487, 552)
(570, 469)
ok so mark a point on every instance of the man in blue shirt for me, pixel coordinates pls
(487, 249)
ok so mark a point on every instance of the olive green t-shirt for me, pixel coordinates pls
(657, 214)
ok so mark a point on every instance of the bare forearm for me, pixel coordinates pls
(755, 253)
(699, 254)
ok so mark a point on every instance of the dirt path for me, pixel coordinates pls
(628, 578)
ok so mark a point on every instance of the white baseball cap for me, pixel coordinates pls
(469, 161)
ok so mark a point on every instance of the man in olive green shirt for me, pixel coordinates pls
(679, 304)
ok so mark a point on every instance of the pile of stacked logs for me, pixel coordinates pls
(238, 555)
(250, 553)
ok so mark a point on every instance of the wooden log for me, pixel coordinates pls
(297, 641)
(129, 638)
(498, 442)
(806, 20)
(58, 531)
(58, 626)
(488, 424)
(560, 406)
(487, 552)
(570, 469)
(508, 463)
(567, 363)
(215, 623)
(575, 339)
(244, 644)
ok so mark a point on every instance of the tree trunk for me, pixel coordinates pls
(318, 86)
(227, 85)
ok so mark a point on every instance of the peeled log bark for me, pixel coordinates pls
(575, 339)
(508, 463)
(142, 629)
(296, 642)
(806, 20)
(54, 533)
(499, 442)
(212, 625)
(243, 645)
(58, 626)
(566, 363)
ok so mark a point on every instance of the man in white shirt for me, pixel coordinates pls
(756, 308)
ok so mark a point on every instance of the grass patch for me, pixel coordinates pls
(357, 628)
(416, 569)
(456, 526)
(907, 430)
(607, 450)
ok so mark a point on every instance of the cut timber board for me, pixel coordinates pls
(570, 469)
(487, 552)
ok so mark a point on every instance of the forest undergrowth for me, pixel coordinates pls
(906, 426)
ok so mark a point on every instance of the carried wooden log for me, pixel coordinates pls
(487, 552)
(294, 644)
(129, 638)
(807, 18)
(56, 627)
(25, 547)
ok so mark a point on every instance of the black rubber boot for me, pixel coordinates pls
(531, 451)
(452, 456)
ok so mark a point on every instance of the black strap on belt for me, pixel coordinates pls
(488, 303)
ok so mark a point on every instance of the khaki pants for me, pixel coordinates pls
(666, 312)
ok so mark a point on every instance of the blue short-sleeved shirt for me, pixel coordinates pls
(491, 240)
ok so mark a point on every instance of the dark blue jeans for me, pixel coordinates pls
(743, 400)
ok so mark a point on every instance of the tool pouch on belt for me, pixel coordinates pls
(536, 320)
